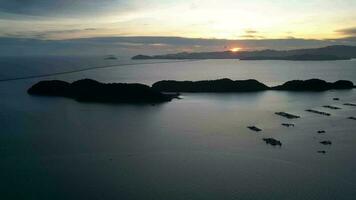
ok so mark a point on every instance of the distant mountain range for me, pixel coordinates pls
(336, 52)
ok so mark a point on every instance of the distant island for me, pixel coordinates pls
(88, 90)
(336, 52)
(303, 57)
(110, 57)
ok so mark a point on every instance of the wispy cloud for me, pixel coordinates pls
(251, 34)
(197, 18)
(347, 31)
(250, 31)
(48, 34)
(62, 7)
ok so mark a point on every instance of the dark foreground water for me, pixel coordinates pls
(194, 148)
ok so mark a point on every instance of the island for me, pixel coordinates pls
(314, 85)
(141, 57)
(250, 85)
(302, 57)
(88, 90)
(220, 85)
(334, 52)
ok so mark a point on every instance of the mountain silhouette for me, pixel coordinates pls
(336, 52)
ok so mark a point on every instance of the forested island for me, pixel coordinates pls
(251, 85)
(88, 90)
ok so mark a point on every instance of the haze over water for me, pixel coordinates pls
(197, 147)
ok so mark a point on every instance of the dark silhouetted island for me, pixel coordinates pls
(163, 91)
(88, 90)
(227, 85)
(220, 85)
(335, 52)
(314, 85)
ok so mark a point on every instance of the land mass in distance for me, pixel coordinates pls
(336, 52)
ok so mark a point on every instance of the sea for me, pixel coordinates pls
(197, 147)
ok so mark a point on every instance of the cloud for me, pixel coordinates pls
(250, 31)
(129, 46)
(252, 36)
(61, 7)
(49, 34)
(90, 29)
(347, 31)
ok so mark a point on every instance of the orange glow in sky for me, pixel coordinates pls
(235, 49)
(262, 19)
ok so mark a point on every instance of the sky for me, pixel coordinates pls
(241, 20)
(228, 19)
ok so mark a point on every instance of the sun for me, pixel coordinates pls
(235, 49)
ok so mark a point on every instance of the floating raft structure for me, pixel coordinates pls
(254, 128)
(287, 125)
(318, 112)
(326, 142)
(353, 118)
(272, 141)
(287, 115)
(349, 104)
(332, 107)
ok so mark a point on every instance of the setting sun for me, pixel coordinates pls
(235, 49)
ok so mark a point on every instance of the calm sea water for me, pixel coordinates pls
(194, 148)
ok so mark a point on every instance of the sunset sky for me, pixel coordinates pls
(222, 19)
